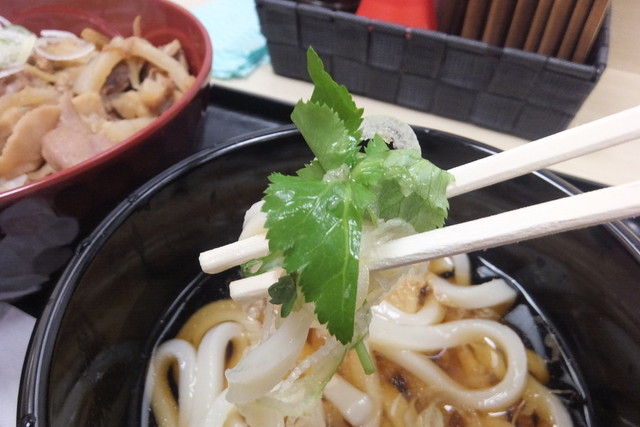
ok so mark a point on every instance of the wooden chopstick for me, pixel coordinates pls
(568, 213)
(578, 141)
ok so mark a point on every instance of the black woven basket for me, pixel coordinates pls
(508, 90)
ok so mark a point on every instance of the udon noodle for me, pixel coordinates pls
(442, 355)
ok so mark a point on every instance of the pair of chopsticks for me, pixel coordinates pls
(568, 213)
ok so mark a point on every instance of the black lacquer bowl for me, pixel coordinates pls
(139, 271)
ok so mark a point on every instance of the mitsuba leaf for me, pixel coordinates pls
(313, 170)
(422, 185)
(406, 185)
(337, 97)
(325, 133)
(314, 219)
(317, 226)
(284, 292)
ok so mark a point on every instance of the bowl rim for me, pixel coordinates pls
(201, 80)
(38, 356)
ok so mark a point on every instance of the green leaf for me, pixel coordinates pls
(369, 169)
(284, 292)
(406, 185)
(366, 361)
(423, 186)
(318, 226)
(314, 219)
(337, 97)
(376, 146)
(325, 133)
(313, 170)
(268, 262)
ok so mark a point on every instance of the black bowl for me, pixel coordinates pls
(139, 271)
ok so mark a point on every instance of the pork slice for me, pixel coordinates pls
(22, 151)
(72, 141)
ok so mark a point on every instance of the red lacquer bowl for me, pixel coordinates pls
(40, 223)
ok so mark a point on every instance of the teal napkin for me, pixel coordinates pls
(238, 44)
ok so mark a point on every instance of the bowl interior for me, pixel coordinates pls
(88, 356)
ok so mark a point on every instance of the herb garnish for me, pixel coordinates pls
(315, 219)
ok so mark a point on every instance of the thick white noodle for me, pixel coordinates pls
(257, 387)
(432, 312)
(355, 406)
(431, 416)
(488, 294)
(462, 268)
(400, 344)
(558, 411)
(211, 355)
(264, 366)
(372, 386)
(442, 265)
(218, 412)
(185, 355)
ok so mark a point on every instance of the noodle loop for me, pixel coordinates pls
(437, 362)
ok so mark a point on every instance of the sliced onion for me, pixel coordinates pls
(395, 132)
(16, 47)
(265, 365)
(299, 394)
(60, 34)
(6, 72)
(57, 36)
(4, 22)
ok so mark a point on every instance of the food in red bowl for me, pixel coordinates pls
(43, 219)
